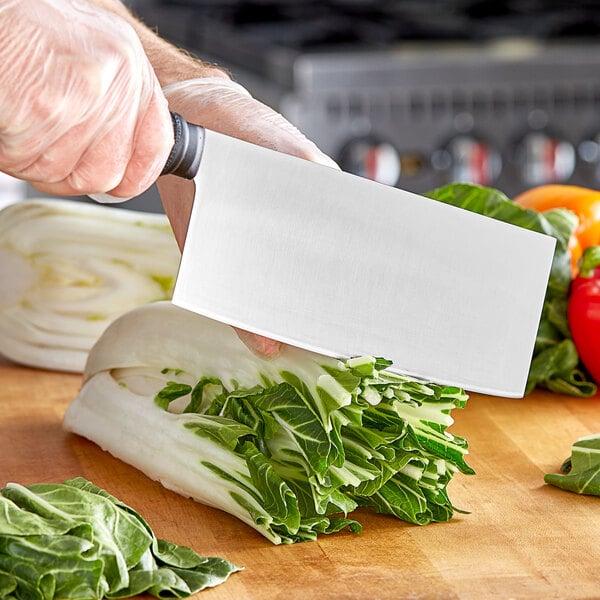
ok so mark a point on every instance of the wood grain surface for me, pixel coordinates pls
(522, 538)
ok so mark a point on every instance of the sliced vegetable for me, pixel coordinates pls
(584, 311)
(75, 540)
(289, 445)
(68, 269)
(580, 473)
(583, 202)
(555, 364)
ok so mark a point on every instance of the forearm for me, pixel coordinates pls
(171, 64)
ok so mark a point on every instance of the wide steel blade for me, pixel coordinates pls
(334, 263)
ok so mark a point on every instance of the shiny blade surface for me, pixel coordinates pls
(337, 264)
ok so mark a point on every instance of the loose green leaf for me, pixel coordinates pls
(580, 472)
(75, 540)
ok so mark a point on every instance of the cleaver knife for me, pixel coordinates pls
(337, 264)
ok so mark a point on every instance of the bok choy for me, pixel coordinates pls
(291, 446)
(74, 540)
(68, 269)
(580, 473)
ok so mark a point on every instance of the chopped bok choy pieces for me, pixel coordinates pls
(289, 445)
(580, 473)
(69, 268)
(74, 540)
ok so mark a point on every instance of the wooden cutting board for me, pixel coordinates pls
(522, 538)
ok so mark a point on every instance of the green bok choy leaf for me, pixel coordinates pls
(74, 540)
(290, 445)
(580, 473)
(68, 269)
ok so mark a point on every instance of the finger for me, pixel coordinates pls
(260, 345)
(152, 144)
(177, 196)
(82, 161)
(97, 170)
(126, 160)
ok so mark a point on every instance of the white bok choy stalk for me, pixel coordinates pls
(69, 268)
(289, 445)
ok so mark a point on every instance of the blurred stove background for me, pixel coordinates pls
(416, 93)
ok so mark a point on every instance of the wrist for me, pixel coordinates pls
(170, 63)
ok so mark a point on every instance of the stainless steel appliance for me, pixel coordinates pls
(417, 93)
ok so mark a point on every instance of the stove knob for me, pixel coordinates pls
(468, 159)
(372, 159)
(589, 153)
(543, 158)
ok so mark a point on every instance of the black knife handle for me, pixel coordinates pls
(185, 156)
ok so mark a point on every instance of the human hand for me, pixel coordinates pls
(81, 110)
(224, 106)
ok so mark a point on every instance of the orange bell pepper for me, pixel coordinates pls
(584, 202)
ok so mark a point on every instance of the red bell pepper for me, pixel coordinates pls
(584, 311)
